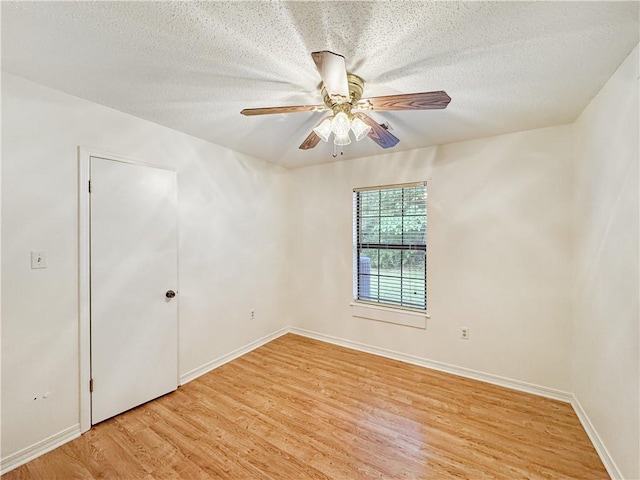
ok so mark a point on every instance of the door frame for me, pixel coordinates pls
(84, 273)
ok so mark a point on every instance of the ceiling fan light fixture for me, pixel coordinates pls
(360, 129)
(342, 140)
(340, 125)
(323, 130)
(342, 94)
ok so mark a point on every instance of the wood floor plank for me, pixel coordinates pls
(298, 408)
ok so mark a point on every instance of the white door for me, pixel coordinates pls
(134, 323)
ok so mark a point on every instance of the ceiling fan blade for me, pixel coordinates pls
(333, 71)
(410, 101)
(378, 133)
(291, 109)
(310, 142)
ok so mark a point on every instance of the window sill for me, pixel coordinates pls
(398, 316)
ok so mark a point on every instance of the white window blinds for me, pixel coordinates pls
(390, 262)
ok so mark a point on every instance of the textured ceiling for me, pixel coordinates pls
(193, 66)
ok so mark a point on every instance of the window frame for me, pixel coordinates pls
(359, 246)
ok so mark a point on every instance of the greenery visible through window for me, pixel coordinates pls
(390, 264)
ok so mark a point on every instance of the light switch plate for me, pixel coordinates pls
(38, 259)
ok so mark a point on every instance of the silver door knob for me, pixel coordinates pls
(170, 294)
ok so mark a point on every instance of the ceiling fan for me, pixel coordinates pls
(342, 95)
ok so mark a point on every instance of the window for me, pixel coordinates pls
(390, 261)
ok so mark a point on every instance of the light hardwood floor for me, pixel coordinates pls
(298, 408)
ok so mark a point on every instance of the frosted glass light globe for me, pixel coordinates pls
(340, 125)
(360, 129)
(323, 130)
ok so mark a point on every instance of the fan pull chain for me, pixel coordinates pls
(335, 150)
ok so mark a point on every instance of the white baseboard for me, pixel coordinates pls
(598, 444)
(442, 367)
(40, 448)
(403, 357)
(25, 455)
(213, 364)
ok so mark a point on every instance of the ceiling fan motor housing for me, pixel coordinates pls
(338, 103)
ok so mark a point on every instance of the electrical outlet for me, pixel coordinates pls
(464, 333)
(38, 259)
(252, 312)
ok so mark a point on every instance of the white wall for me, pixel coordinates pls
(231, 211)
(499, 253)
(606, 354)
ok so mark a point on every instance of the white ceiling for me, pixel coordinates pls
(192, 66)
